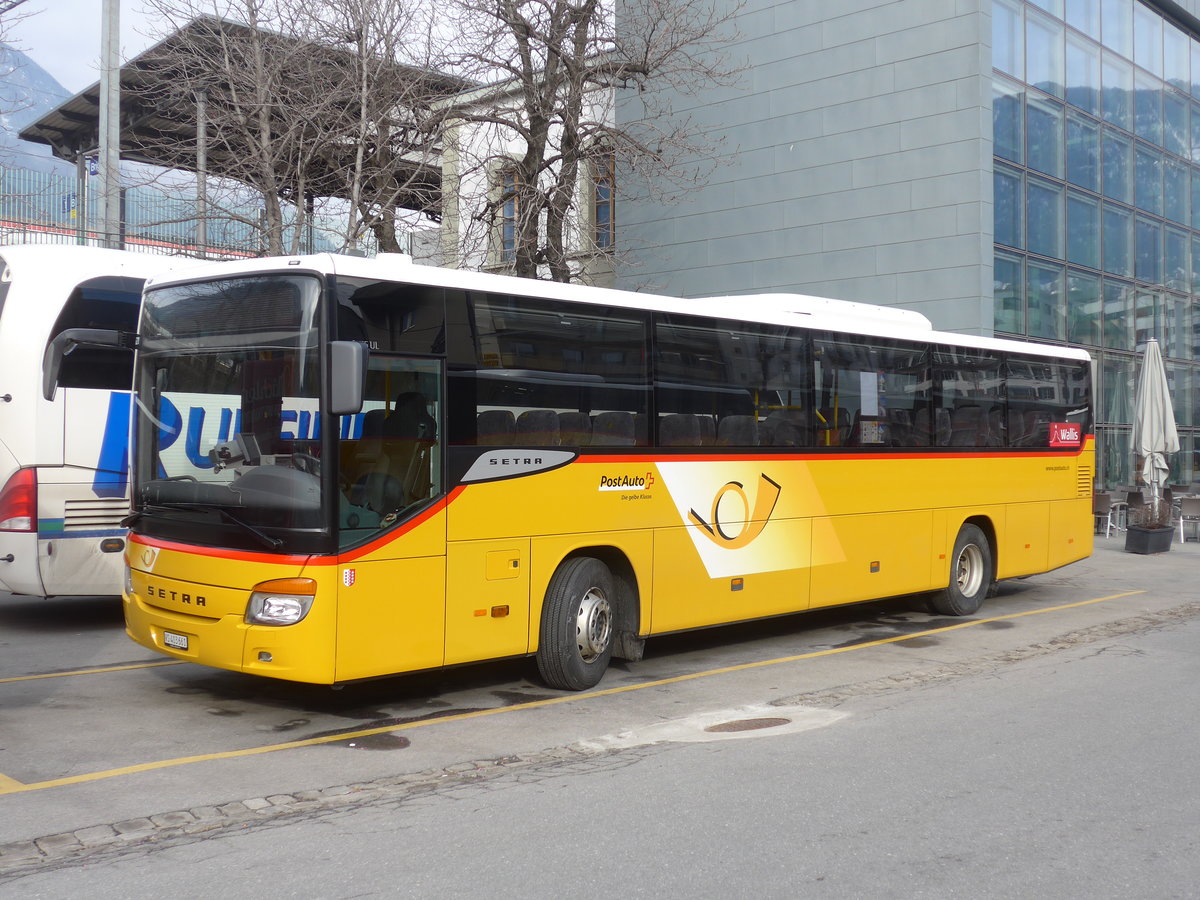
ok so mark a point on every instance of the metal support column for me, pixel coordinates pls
(110, 124)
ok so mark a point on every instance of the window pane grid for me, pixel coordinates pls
(1096, 118)
(1127, 143)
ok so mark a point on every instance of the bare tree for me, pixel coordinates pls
(386, 160)
(301, 100)
(10, 15)
(528, 152)
(249, 80)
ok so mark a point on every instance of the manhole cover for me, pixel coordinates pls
(746, 725)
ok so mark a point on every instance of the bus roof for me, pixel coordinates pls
(796, 310)
(77, 263)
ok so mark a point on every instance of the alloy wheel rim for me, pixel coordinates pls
(593, 625)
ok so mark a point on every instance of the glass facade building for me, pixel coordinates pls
(1096, 137)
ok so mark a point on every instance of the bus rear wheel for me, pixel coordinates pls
(576, 641)
(971, 574)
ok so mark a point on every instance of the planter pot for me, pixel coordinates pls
(1140, 539)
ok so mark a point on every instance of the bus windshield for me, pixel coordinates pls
(227, 427)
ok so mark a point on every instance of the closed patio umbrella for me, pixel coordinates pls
(1154, 434)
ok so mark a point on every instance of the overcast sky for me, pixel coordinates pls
(63, 37)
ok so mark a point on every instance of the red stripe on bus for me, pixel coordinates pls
(200, 550)
(973, 453)
(311, 560)
(385, 539)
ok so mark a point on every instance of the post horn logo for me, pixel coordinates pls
(754, 522)
(147, 557)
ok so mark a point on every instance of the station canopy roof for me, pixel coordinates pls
(159, 127)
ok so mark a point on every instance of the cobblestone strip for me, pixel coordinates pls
(24, 857)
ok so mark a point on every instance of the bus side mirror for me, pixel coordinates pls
(66, 341)
(347, 375)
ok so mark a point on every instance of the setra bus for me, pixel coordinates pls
(64, 459)
(390, 467)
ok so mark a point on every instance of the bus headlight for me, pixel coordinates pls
(284, 601)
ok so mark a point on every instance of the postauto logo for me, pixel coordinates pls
(626, 482)
(186, 438)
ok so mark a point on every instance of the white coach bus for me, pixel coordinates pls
(63, 462)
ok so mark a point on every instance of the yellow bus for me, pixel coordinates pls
(347, 468)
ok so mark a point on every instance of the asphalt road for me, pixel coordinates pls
(1046, 744)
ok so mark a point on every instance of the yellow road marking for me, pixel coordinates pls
(97, 671)
(9, 786)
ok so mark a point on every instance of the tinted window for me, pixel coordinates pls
(1041, 392)
(969, 408)
(535, 373)
(731, 385)
(871, 392)
(108, 303)
(391, 317)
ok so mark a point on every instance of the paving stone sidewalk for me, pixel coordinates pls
(21, 857)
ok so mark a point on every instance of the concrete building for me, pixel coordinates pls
(1023, 168)
(481, 200)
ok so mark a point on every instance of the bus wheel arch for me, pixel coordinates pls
(627, 615)
(589, 614)
(972, 570)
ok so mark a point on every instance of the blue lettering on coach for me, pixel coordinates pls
(112, 467)
(191, 445)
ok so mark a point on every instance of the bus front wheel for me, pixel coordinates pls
(971, 574)
(576, 641)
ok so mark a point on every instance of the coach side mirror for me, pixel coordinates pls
(65, 343)
(347, 375)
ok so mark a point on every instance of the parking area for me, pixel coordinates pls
(95, 731)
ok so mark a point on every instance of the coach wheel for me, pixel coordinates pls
(971, 574)
(576, 641)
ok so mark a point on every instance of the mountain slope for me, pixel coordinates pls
(27, 92)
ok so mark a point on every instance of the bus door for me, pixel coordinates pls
(392, 532)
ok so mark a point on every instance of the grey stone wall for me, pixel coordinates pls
(857, 164)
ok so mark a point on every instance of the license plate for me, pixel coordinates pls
(178, 641)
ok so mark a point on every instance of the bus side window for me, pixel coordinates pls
(730, 385)
(536, 375)
(1042, 392)
(970, 385)
(871, 392)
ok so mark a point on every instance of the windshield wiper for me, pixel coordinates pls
(273, 542)
(267, 540)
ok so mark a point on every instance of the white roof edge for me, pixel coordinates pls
(776, 309)
(89, 261)
(809, 305)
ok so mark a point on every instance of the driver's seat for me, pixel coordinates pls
(408, 435)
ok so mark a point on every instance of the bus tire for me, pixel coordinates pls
(971, 574)
(577, 635)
